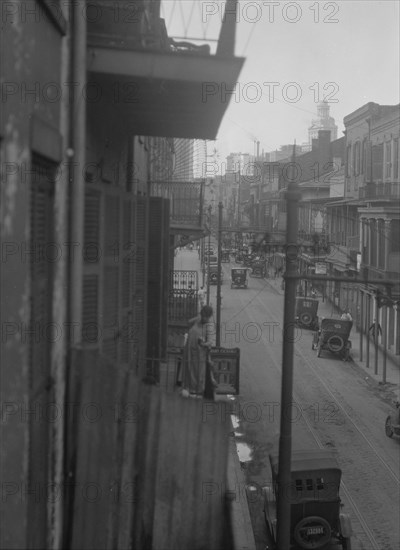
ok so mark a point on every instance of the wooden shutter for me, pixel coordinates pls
(112, 254)
(128, 256)
(41, 205)
(158, 279)
(377, 162)
(139, 279)
(92, 255)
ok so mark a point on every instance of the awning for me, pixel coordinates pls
(166, 94)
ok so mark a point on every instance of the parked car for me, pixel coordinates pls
(333, 336)
(257, 268)
(238, 277)
(392, 424)
(306, 313)
(315, 506)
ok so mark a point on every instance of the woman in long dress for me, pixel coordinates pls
(200, 340)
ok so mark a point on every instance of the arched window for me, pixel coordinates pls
(364, 157)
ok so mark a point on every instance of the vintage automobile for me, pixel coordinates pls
(333, 335)
(225, 256)
(315, 505)
(247, 260)
(213, 273)
(392, 424)
(238, 277)
(306, 313)
(257, 268)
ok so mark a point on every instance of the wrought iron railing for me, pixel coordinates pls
(186, 200)
(182, 298)
(388, 190)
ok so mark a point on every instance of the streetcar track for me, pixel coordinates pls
(359, 516)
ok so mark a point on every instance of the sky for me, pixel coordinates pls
(297, 53)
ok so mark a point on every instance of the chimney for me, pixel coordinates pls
(324, 146)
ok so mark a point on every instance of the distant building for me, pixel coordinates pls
(322, 122)
(285, 152)
(239, 162)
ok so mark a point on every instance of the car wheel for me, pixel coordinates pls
(306, 319)
(312, 532)
(335, 343)
(388, 427)
(346, 543)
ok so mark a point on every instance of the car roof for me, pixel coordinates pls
(318, 459)
(330, 322)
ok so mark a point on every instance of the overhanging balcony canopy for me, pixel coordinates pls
(162, 91)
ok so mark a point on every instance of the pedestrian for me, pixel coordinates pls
(371, 330)
(346, 316)
(313, 293)
(201, 293)
(196, 354)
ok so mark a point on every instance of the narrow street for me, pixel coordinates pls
(335, 406)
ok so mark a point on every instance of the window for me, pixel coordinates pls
(395, 236)
(377, 162)
(356, 158)
(348, 161)
(364, 157)
(381, 244)
(309, 484)
(299, 485)
(388, 159)
(396, 159)
(320, 483)
(373, 242)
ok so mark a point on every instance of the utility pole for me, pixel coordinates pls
(219, 272)
(285, 440)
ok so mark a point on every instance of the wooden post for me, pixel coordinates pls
(285, 439)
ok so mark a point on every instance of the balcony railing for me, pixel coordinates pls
(387, 190)
(186, 201)
(182, 299)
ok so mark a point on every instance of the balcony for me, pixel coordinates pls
(186, 201)
(155, 85)
(382, 191)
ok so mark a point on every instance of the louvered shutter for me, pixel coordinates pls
(157, 282)
(165, 236)
(112, 254)
(128, 257)
(92, 256)
(139, 279)
(41, 197)
(377, 162)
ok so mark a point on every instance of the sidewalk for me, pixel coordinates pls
(327, 309)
